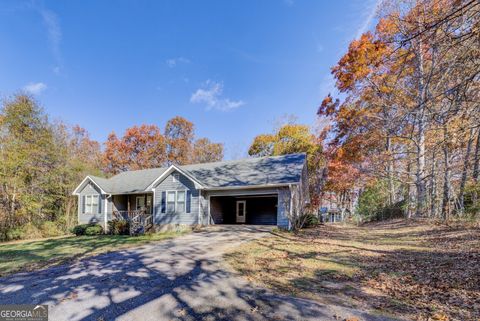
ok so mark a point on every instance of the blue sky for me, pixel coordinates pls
(233, 68)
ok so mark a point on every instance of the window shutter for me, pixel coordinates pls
(83, 204)
(189, 201)
(100, 199)
(163, 205)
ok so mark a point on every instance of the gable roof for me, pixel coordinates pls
(86, 181)
(272, 170)
(172, 169)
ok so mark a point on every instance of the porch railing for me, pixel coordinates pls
(139, 220)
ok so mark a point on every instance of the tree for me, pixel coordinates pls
(410, 104)
(204, 151)
(34, 161)
(294, 138)
(82, 157)
(179, 134)
(140, 147)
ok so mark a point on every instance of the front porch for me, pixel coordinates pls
(136, 209)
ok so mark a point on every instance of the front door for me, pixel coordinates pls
(140, 203)
(241, 211)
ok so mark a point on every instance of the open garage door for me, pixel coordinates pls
(255, 210)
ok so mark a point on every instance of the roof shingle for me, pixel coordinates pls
(270, 170)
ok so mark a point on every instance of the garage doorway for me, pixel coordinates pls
(253, 210)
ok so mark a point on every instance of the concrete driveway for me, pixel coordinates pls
(178, 279)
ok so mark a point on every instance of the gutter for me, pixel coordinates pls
(249, 187)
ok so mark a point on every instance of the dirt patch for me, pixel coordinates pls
(417, 270)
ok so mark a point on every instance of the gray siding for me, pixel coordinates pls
(91, 189)
(178, 217)
(203, 209)
(283, 208)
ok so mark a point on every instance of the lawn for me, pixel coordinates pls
(31, 255)
(410, 269)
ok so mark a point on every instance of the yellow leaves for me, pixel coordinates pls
(439, 317)
(386, 28)
(262, 145)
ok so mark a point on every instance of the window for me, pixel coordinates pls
(171, 202)
(176, 177)
(181, 201)
(91, 204)
(140, 202)
(175, 201)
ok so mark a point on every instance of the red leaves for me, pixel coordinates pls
(364, 57)
(140, 147)
(328, 107)
(144, 146)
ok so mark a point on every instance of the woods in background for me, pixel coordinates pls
(406, 129)
(294, 138)
(42, 161)
(404, 132)
(145, 146)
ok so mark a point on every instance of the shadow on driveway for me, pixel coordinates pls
(178, 279)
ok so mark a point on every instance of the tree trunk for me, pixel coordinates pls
(446, 177)
(391, 187)
(409, 196)
(476, 158)
(433, 188)
(421, 130)
(466, 165)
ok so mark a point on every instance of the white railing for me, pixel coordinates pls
(139, 220)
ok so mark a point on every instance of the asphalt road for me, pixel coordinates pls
(180, 279)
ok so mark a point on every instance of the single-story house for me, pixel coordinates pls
(248, 191)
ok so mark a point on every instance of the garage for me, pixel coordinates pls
(254, 210)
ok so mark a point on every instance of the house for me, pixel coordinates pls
(248, 191)
(337, 207)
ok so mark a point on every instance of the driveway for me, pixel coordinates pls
(178, 279)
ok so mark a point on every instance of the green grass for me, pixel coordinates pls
(31, 255)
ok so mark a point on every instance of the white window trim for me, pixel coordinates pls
(176, 201)
(92, 212)
(184, 200)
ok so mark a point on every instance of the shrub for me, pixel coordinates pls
(372, 204)
(16, 233)
(87, 229)
(79, 229)
(31, 231)
(119, 227)
(311, 220)
(49, 229)
(94, 229)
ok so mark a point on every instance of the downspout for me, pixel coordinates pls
(200, 220)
